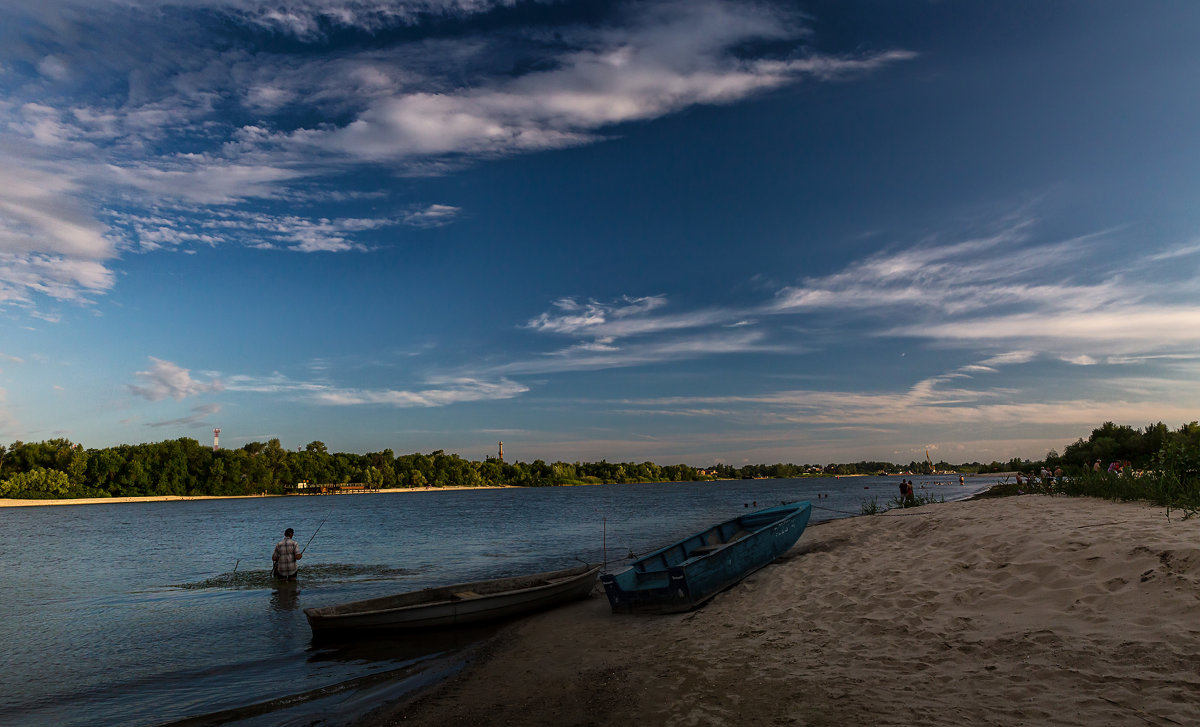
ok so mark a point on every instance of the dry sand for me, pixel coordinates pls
(1016, 611)
(5, 502)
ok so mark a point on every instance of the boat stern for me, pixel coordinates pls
(631, 591)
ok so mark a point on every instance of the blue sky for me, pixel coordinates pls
(678, 231)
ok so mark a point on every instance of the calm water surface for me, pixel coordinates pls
(146, 613)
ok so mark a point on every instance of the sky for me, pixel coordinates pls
(688, 231)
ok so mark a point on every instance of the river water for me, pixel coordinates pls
(149, 613)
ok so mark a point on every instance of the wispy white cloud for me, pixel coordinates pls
(1009, 290)
(1111, 329)
(626, 316)
(204, 179)
(454, 391)
(1011, 357)
(929, 403)
(593, 356)
(166, 379)
(434, 393)
(1177, 252)
(435, 215)
(190, 226)
(671, 56)
(49, 244)
(195, 419)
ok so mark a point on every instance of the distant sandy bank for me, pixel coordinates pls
(170, 498)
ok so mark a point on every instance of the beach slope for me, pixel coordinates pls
(1015, 611)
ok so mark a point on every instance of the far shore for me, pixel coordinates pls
(4, 502)
(9, 502)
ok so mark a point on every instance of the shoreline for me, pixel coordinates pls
(1012, 611)
(12, 502)
(8, 502)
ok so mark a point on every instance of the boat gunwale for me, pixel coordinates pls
(789, 510)
(331, 614)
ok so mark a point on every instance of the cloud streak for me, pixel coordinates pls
(195, 419)
(436, 392)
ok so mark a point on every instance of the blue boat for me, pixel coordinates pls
(684, 575)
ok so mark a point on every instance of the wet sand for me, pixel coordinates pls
(5, 502)
(1014, 611)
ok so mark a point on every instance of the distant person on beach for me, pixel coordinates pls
(285, 556)
(1096, 467)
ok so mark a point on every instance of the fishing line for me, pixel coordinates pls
(313, 536)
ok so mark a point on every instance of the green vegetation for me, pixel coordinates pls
(872, 507)
(898, 502)
(59, 468)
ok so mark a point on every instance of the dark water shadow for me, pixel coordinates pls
(431, 656)
(399, 645)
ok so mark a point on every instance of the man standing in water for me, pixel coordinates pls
(285, 556)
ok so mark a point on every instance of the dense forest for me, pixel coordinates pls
(58, 468)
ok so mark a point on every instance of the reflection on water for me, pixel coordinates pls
(286, 596)
(135, 626)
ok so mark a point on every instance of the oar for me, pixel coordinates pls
(313, 536)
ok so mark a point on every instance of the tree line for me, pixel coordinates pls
(59, 468)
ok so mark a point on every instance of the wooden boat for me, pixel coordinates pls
(462, 603)
(685, 574)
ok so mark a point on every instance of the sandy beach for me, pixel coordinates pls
(1014, 611)
(6, 502)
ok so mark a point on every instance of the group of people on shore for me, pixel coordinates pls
(1045, 476)
(1115, 467)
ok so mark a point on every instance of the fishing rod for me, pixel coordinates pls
(313, 536)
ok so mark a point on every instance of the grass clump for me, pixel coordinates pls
(872, 506)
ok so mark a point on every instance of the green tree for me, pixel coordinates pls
(38, 483)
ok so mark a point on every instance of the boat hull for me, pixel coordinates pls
(686, 574)
(455, 605)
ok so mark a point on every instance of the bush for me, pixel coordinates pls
(37, 484)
